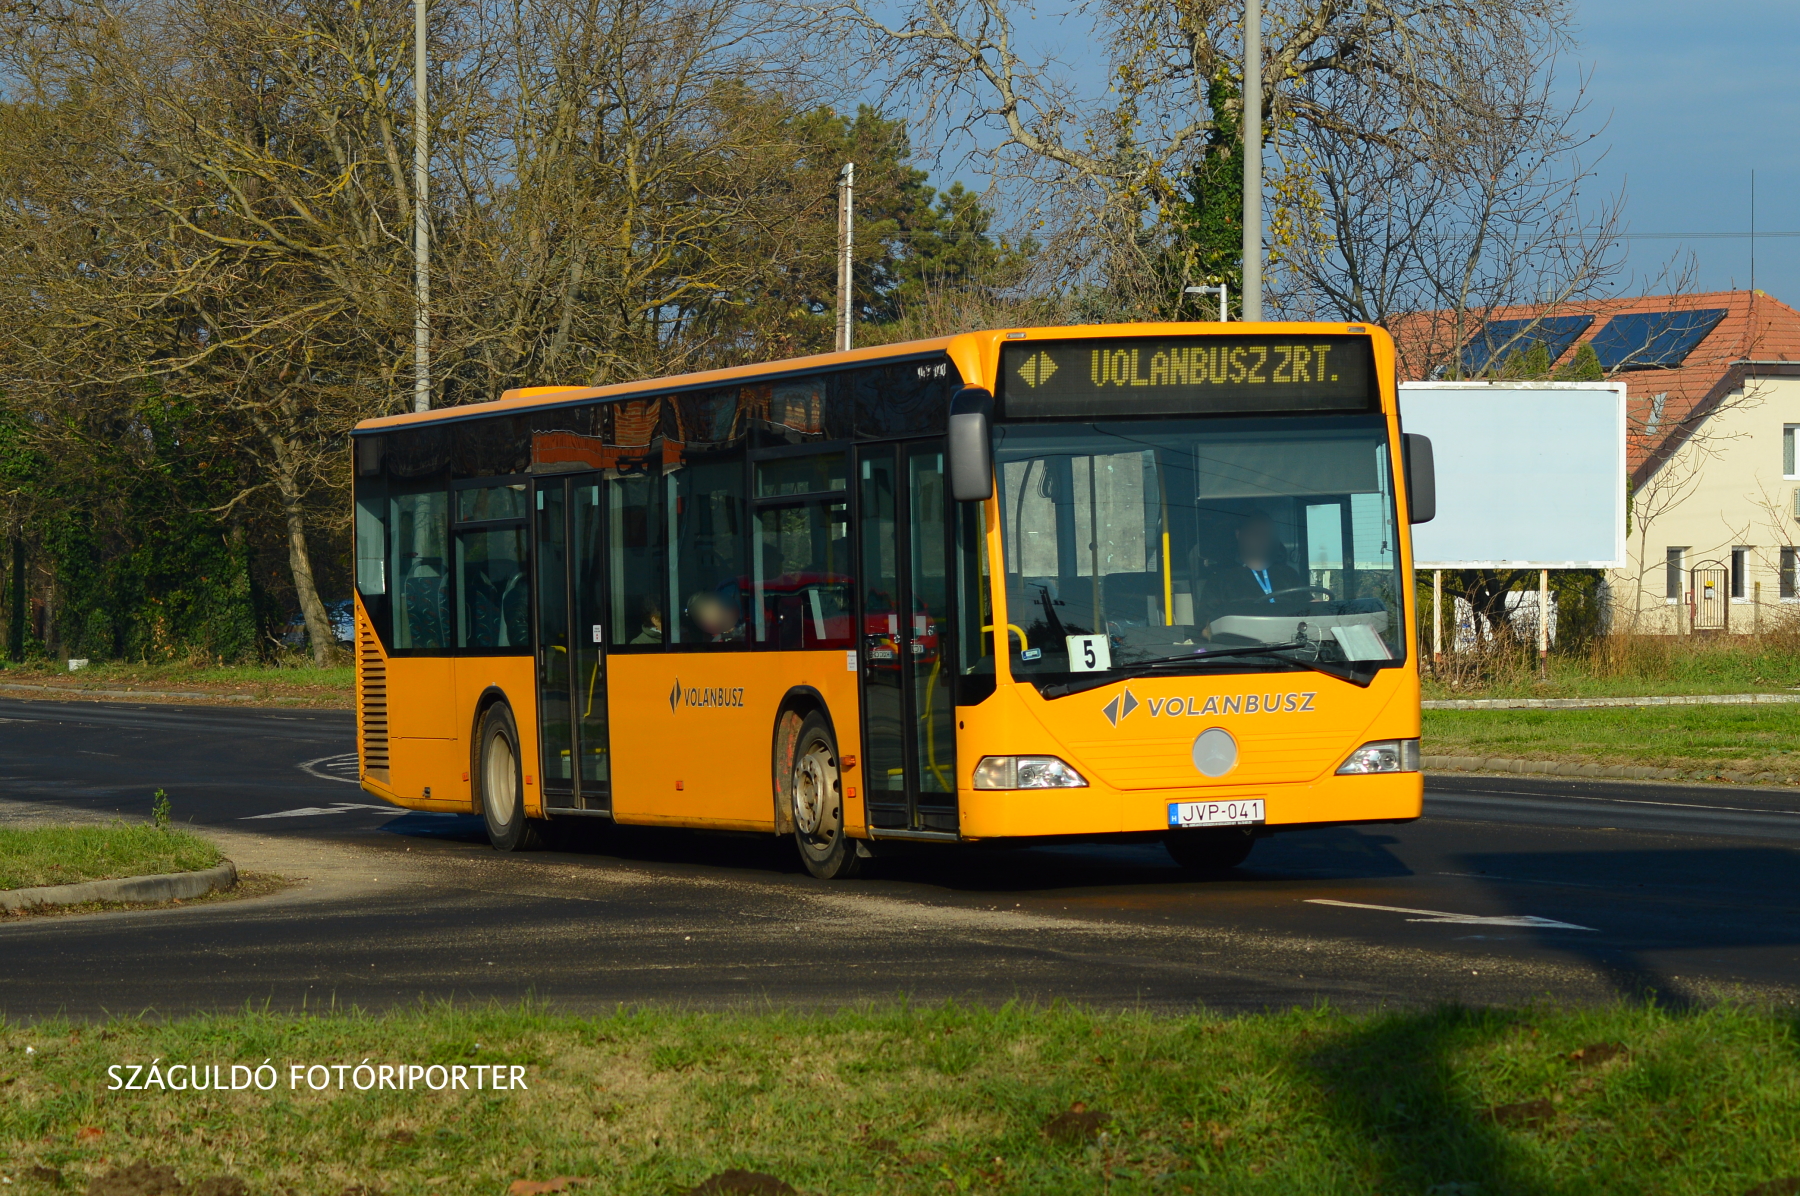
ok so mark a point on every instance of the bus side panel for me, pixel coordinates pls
(515, 678)
(423, 741)
(693, 734)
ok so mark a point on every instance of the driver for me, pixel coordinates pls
(1262, 575)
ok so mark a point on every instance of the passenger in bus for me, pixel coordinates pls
(651, 632)
(1262, 577)
(714, 618)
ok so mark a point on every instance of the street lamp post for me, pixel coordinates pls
(1224, 311)
(1252, 126)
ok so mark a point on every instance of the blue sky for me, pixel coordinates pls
(1694, 95)
(1688, 96)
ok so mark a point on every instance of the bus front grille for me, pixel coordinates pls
(371, 703)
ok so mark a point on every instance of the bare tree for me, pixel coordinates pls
(1398, 90)
(1432, 232)
(211, 204)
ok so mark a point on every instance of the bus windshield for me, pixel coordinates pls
(1192, 545)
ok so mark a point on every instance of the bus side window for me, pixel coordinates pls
(710, 535)
(493, 602)
(804, 591)
(639, 579)
(420, 530)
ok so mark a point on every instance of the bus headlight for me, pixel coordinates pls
(1384, 755)
(1026, 772)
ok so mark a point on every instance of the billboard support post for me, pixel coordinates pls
(1544, 623)
(1437, 619)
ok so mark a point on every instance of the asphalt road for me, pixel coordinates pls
(1507, 890)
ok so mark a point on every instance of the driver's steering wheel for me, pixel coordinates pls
(1329, 596)
(1261, 603)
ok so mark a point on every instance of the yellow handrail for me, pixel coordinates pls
(1023, 642)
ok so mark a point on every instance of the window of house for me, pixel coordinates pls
(1787, 574)
(1740, 571)
(1675, 574)
(1787, 451)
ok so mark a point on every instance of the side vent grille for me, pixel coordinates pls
(371, 702)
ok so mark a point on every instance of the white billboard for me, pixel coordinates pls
(1530, 475)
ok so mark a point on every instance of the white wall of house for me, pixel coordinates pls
(1725, 500)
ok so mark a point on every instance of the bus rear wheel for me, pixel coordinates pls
(816, 797)
(1209, 850)
(500, 786)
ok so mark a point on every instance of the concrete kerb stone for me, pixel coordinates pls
(79, 692)
(172, 886)
(1629, 772)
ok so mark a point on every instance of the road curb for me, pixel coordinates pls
(1560, 768)
(171, 886)
(1598, 703)
(80, 692)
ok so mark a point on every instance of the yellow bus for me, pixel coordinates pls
(1123, 582)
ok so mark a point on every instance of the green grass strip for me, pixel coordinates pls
(1754, 738)
(1621, 1099)
(60, 855)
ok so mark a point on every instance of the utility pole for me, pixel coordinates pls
(846, 230)
(421, 219)
(1252, 126)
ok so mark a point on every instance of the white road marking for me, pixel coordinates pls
(344, 767)
(343, 807)
(1437, 915)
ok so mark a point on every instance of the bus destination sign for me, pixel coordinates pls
(1192, 375)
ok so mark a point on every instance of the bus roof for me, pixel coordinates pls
(527, 397)
(981, 342)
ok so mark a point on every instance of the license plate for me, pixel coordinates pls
(1239, 812)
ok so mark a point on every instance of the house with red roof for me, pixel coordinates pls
(1713, 399)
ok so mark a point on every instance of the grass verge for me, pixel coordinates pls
(1702, 739)
(1626, 1099)
(1628, 666)
(293, 682)
(61, 855)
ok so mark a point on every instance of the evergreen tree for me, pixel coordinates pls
(1583, 367)
(1212, 218)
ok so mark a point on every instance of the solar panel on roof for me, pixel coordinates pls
(1498, 340)
(1650, 339)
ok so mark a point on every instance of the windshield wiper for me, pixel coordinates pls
(1214, 654)
(1345, 671)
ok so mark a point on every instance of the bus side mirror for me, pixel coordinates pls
(971, 445)
(1421, 479)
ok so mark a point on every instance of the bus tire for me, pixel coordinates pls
(1209, 850)
(815, 792)
(501, 786)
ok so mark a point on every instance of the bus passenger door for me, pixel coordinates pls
(570, 648)
(909, 733)
(588, 639)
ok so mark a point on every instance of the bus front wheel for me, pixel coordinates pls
(1209, 850)
(816, 794)
(501, 791)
